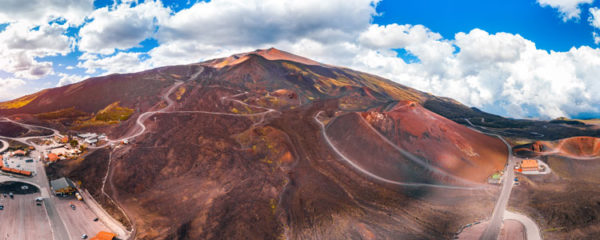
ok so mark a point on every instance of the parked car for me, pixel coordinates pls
(1, 207)
(84, 236)
(95, 219)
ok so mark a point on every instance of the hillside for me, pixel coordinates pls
(306, 150)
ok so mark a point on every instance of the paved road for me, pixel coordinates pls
(79, 221)
(59, 230)
(532, 231)
(4, 145)
(493, 229)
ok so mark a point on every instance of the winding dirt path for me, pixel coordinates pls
(374, 176)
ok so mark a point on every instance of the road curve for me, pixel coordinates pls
(532, 231)
(364, 171)
(4, 145)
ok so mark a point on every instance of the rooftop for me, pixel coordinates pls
(61, 183)
(529, 163)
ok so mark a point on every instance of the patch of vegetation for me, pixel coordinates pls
(111, 114)
(180, 93)
(62, 113)
(554, 229)
(19, 102)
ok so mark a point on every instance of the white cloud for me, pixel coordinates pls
(20, 45)
(594, 18)
(121, 28)
(253, 22)
(66, 79)
(501, 70)
(10, 88)
(568, 9)
(122, 62)
(37, 12)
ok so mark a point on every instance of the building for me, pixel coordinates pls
(61, 151)
(104, 236)
(19, 153)
(64, 139)
(62, 186)
(496, 178)
(529, 165)
(52, 157)
(91, 140)
(87, 135)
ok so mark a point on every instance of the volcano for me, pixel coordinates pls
(271, 145)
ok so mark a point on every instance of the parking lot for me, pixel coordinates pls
(23, 219)
(19, 162)
(79, 221)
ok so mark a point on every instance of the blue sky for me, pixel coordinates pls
(517, 58)
(541, 25)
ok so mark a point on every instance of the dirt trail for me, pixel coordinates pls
(362, 170)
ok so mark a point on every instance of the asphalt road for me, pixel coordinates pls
(59, 230)
(4, 146)
(493, 229)
(532, 231)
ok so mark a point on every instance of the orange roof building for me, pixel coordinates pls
(52, 157)
(16, 171)
(102, 235)
(65, 139)
(529, 165)
(19, 153)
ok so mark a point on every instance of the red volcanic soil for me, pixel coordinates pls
(580, 146)
(139, 90)
(9, 129)
(449, 146)
(575, 147)
(213, 167)
(269, 54)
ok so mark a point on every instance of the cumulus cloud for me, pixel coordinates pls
(122, 27)
(568, 9)
(252, 22)
(122, 62)
(20, 45)
(10, 88)
(66, 79)
(501, 70)
(35, 12)
(594, 18)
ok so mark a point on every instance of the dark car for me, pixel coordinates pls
(1, 207)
